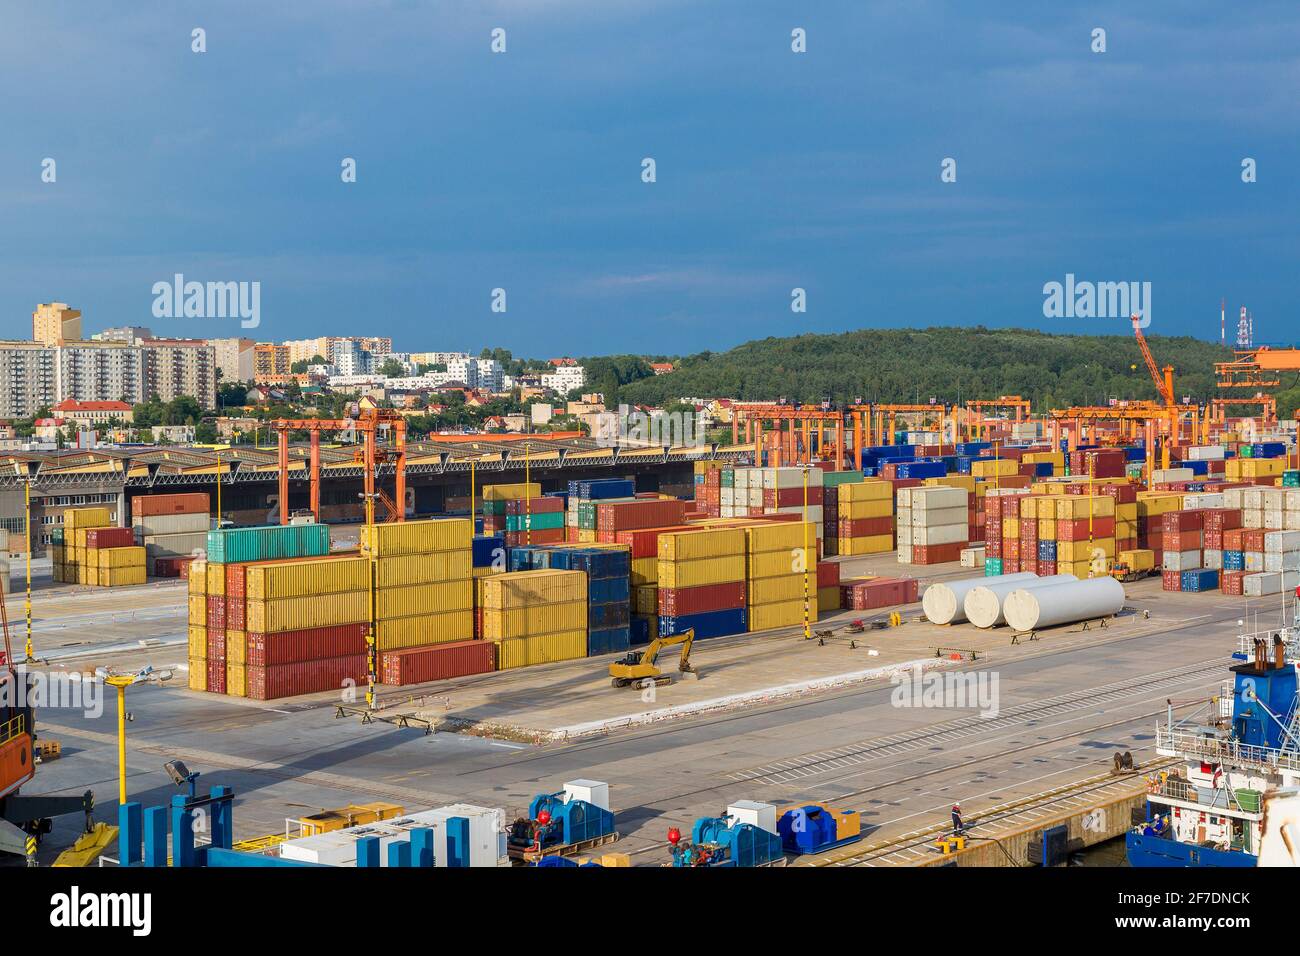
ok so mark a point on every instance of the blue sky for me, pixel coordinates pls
(522, 170)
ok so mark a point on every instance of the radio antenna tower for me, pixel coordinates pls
(1245, 330)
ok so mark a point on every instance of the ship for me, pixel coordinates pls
(1209, 811)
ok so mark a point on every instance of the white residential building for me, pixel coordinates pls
(565, 378)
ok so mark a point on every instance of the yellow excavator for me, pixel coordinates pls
(639, 666)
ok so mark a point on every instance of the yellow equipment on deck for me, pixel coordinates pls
(88, 847)
(639, 665)
(350, 816)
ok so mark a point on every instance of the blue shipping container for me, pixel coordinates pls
(1201, 579)
(485, 550)
(706, 624)
(1234, 560)
(613, 640)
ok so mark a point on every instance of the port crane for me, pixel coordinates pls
(1162, 377)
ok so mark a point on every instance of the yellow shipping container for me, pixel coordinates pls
(967, 482)
(510, 492)
(198, 576)
(397, 634)
(236, 679)
(828, 599)
(121, 577)
(523, 588)
(542, 649)
(285, 579)
(867, 508)
(425, 568)
(871, 544)
(1010, 527)
(198, 610)
(109, 558)
(785, 614)
(773, 564)
(216, 580)
(197, 640)
(484, 572)
(537, 619)
(1080, 569)
(1137, 559)
(645, 571)
(1057, 458)
(1073, 551)
(1046, 529)
(586, 536)
(780, 536)
(1262, 467)
(1157, 503)
(198, 673)
(707, 543)
(237, 647)
(690, 574)
(416, 537)
(997, 467)
(789, 587)
(424, 599)
(1126, 511)
(296, 614)
(870, 489)
(87, 518)
(1081, 506)
(645, 600)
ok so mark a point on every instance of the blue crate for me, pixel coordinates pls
(707, 623)
(603, 616)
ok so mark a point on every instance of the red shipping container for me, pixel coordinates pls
(1010, 565)
(992, 545)
(1010, 549)
(644, 542)
(534, 506)
(216, 613)
(215, 645)
(235, 580)
(646, 513)
(865, 527)
(1046, 567)
(1181, 521)
(877, 593)
(937, 553)
(1252, 539)
(305, 677)
(182, 504)
(235, 613)
(1077, 529)
(1124, 493)
(1232, 539)
(515, 539)
(1183, 541)
(1030, 565)
(289, 647)
(1232, 582)
(828, 574)
(790, 497)
(418, 665)
(1171, 580)
(216, 676)
(110, 538)
(675, 602)
(1221, 519)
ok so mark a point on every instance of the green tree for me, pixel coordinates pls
(392, 369)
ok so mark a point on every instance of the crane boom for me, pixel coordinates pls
(1163, 383)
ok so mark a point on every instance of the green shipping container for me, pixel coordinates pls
(273, 542)
(992, 567)
(832, 479)
(553, 519)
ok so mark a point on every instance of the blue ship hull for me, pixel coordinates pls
(1152, 850)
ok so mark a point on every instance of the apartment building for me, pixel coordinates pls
(28, 378)
(99, 371)
(84, 414)
(304, 350)
(234, 358)
(176, 367)
(53, 323)
(125, 334)
(271, 365)
(565, 378)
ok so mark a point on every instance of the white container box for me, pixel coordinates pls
(761, 815)
(588, 791)
(940, 534)
(1281, 541)
(1254, 561)
(1213, 558)
(933, 517)
(1182, 560)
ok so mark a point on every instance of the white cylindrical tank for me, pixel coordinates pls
(1029, 608)
(983, 604)
(944, 602)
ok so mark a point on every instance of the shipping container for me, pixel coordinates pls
(271, 542)
(443, 627)
(541, 649)
(288, 647)
(306, 578)
(676, 602)
(420, 665)
(109, 538)
(298, 613)
(186, 503)
(304, 677)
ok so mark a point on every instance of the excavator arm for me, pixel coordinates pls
(640, 665)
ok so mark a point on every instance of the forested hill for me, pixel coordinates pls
(904, 365)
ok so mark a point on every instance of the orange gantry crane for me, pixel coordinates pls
(975, 410)
(783, 444)
(1257, 368)
(369, 421)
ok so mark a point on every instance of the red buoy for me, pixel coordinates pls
(674, 835)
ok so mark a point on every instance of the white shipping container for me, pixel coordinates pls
(1252, 518)
(1202, 500)
(1273, 518)
(1213, 558)
(972, 557)
(1272, 499)
(174, 545)
(1160, 475)
(1291, 499)
(937, 497)
(1234, 497)
(791, 477)
(1281, 560)
(904, 554)
(1252, 498)
(1206, 452)
(170, 524)
(903, 535)
(935, 517)
(1258, 585)
(761, 815)
(940, 534)
(1291, 520)
(1182, 560)
(1282, 541)
(1254, 561)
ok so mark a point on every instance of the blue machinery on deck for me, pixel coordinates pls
(724, 841)
(559, 825)
(143, 831)
(816, 828)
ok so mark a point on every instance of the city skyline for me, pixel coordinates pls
(775, 170)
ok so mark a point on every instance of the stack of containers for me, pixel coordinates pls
(294, 626)
(780, 574)
(866, 517)
(535, 617)
(584, 496)
(701, 579)
(1215, 523)
(609, 610)
(533, 521)
(828, 586)
(1151, 508)
(424, 591)
(615, 516)
(76, 521)
(169, 527)
(198, 649)
(1281, 571)
(709, 480)
(746, 494)
(112, 558)
(1181, 537)
(495, 498)
(933, 525)
(1085, 532)
(795, 491)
